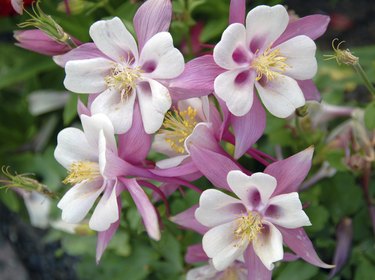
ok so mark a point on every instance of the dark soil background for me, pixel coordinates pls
(351, 20)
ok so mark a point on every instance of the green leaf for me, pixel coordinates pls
(318, 216)
(10, 199)
(370, 116)
(70, 110)
(298, 270)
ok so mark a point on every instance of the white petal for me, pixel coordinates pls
(87, 76)
(264, 25)
(200, 104)
(207, 272)
(114, 40)
(160, 59)
(300, 54)
(281, 96)
(254, 190)
(231, 52)
(220, 244)
(120, 112)
(160, 145)
(76, 203)
(106, 212)
(92, 125)
(286, 210)
(237, 92)
(171, 162)
(268, 245)
(216, 207)
(72, 146)
(154, 102)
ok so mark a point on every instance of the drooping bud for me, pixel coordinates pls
(48, 25)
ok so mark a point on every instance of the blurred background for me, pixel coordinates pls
(34, 107)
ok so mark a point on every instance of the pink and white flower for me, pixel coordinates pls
(266, 214)
(250, 220)
(183, 125)
(253, 60)
(123, 72)
(90, 158)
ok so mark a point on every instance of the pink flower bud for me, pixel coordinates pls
(37, 41)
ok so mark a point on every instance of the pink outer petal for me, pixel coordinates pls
(213, 165)
(299, 242)
(310, 91)
(152, 17)
(196, 80)
(187, 220)
(104, 237)
(145, 207)
(135, 144)
(82, 109)
(195, 254)
(186, 168)
(37, 41)
(255, 267)
(237, 11)
(290, 172)
(312, 26)
(85, 51)
(248, 128)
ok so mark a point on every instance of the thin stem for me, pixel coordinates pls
(358, 68)
(67, 8)
(159, 192)
(263, 154)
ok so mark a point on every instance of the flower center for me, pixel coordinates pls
(270, 64)
(248, 227)
(123, 78)
(80, 171)
(177, 126)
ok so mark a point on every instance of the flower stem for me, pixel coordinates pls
(358, 68)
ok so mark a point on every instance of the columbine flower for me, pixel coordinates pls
(266, 213)
(182, 125)
(123, 73)
(252, 59)
(89, 157)
(238, 223)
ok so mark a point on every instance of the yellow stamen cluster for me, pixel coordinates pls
(248, 227)
(270, 64)
(177, 126)
(123, 78)
(80, 171)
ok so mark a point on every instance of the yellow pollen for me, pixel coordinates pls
(177, 126)
(270, 64)
(248, 227)
(80, 171)
(123, 78)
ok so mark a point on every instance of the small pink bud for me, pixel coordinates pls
(37, 41)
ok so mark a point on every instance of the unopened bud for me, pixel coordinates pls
(48, 25)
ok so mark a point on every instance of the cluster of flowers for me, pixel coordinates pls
(142, 97)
